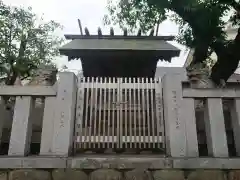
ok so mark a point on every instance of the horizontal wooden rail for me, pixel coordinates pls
(125, 139)
(27, 91)
(114, 85)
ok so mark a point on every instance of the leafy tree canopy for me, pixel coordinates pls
(201, 23)
(26, 43)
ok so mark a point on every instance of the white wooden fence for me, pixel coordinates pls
(74, 107)
(119, 113)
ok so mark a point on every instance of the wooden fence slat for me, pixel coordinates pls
(79, 112)
(135, 113)
(215, 128)
(114, 107)
(86, 104)
(152, 110)
(174, 123)
(100, 113)
(191, 128)
(125, 106)
(21, 127)
(109, 112)
(159, 112)
(104, 109)
(235, 117)
(138, 111)
(47, 126)
(120, 114)
(65, 114)
(143, 112)
(92, 92)
(148, 111)
(95, 114)
(130, 115)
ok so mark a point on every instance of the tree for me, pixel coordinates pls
(26, 43)
(201, 27)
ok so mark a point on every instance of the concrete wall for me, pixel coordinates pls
(161, 71)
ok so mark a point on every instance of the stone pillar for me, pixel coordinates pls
(64, 114)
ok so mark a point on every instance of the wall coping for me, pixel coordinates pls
(118, 162)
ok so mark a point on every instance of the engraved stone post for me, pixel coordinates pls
(64, 114)
(174, 124)
(180, 121)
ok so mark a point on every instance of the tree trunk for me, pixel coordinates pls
(11, 78)
(228, 57)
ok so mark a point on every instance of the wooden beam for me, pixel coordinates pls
(111, 32)
(151, 32)
(125, 32)
(157, 28)
(80, 26)
(87, 32)
(139, 32)
(99, 32)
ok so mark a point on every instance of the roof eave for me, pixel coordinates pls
(74, 36)
(166, 55)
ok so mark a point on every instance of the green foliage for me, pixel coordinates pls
(26, 43)
(134, 14)
(201, 24)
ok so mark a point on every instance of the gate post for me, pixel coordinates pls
(64, 114)
(174, 123)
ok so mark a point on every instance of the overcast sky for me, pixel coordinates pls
(91, 13)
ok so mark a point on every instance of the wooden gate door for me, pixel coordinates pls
(119, 113)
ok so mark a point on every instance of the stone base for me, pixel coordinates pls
(119, 168)
(111, 174)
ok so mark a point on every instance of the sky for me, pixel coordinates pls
(91, 13)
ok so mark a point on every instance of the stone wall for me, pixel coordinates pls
(110, 174)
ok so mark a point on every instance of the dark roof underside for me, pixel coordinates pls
(119, 56)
